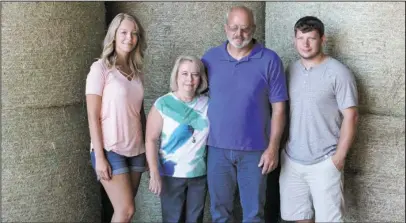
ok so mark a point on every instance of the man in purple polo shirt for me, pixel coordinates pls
(246, 81)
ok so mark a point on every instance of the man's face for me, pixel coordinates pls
(239, 29)
(309, 44)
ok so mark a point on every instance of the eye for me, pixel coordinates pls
(196, 75)
(135, 34)
(233, 28)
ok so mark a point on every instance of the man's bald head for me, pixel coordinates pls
(241, 11)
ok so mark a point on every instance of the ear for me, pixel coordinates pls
(323, 39)
(225, 27)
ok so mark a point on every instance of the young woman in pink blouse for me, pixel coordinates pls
(114, 96)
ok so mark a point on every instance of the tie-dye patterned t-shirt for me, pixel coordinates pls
(184, 135)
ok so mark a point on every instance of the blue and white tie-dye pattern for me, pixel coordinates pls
(184, 136)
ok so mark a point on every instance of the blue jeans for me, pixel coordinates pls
(228, 168)
(182, 199)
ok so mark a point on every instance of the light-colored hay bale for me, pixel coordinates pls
(172, 29)
(47, 49)
(375, 171)
(368, 37)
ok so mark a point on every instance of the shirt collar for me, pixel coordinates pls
(255, 53)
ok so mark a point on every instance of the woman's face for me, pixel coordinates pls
(188, 77)
(126, 37)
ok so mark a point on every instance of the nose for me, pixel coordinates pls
(306, 42)
(238, 32)
(129, 36)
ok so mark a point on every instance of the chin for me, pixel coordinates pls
(308, 56)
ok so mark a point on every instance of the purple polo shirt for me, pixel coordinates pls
(240, 95)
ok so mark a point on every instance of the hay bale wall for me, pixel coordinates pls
(369, 37)
(172, 29)
(47, 49)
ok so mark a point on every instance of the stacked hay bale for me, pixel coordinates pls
(47, 49)
(370, 39)
(171, 32)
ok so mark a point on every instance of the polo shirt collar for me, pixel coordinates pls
(255, 53)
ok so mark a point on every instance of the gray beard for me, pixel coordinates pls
(244, 43)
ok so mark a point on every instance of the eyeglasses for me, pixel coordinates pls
(234, 29)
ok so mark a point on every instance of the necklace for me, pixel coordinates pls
(192, 130)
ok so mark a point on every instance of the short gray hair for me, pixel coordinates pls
(202, 72)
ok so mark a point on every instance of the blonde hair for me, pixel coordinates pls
(202, 72)
(109, 56)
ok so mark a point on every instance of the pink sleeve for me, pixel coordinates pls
(95, 79)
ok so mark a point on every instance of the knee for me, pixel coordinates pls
(126, 212)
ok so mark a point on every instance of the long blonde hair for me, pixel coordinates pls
(109, 56)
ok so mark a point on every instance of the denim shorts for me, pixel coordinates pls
(122, 164)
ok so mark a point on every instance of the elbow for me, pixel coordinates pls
(354, 117)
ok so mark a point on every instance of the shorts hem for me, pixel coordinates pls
(298, 217)
(120, 171)
(138, 169)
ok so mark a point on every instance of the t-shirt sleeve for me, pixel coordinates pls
(277, 81)
(346, 90)
(95, 79)
(158, 104)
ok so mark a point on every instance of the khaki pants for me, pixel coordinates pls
(309, 191)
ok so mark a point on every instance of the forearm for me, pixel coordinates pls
(152, 155)
(347, 135)
(278, 122)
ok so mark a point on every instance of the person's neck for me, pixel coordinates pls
(185, 96)
(122, 60)
(313, 62)
(239, 53)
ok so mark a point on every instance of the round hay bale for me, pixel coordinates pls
(47, 49)
(170, 34)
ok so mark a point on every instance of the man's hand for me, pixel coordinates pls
(269, 160)
(338, 162)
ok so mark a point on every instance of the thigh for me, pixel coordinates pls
(136, 165)
(173, 197)
(196, 197)
(251, 185)
(119, 191)
(296, 201)
(326, 185)
(222, 182)
(135, 181)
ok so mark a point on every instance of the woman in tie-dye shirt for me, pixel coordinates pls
(179, 121)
